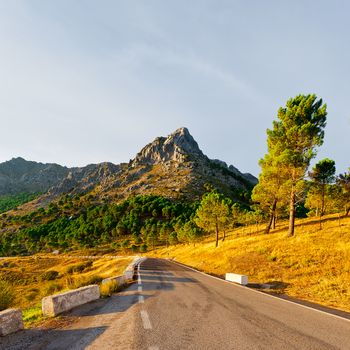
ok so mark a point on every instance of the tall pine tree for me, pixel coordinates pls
(294, 138)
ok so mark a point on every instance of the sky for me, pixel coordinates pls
(89, 81)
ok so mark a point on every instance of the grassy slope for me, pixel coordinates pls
(314, 265)
(25, 274)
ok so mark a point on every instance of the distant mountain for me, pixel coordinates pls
(18, 175)
(172, 166)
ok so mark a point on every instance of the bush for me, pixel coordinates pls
(7, 295)
(107, 289)
(49, 275)
(32, 314)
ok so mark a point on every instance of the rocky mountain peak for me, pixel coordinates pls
(178, 146)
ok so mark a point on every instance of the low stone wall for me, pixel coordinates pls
(10, 321)
(119, 279)
(58, 303)
(131, 269)
(233, 277)
(128, 275)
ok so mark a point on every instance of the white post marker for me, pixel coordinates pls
(240, 279)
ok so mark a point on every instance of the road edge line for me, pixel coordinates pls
(261, 293)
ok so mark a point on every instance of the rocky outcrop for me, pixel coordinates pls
(179, 147)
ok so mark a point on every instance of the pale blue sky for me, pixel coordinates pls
(89, 81)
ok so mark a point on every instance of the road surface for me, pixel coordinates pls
(172, 307)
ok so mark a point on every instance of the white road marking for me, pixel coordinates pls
(261, 293)
(145, 320)
(138, 274)
(141, 299)
(139, 288)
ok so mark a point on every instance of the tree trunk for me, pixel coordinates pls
(291, 213)
(322, 200)
(274, 222)
(347, 211)
(272, 215)
(217, 235)
(320, 221)
(223, 238)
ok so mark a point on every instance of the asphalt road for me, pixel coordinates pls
(173, 307)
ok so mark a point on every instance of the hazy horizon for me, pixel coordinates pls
(89, 82)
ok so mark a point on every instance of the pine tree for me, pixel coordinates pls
(343, 181)
(212, 214)
(270, 191)
(295, 136)
(322, 175)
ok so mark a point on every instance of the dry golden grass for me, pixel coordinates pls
(28, 275)
(313, 265)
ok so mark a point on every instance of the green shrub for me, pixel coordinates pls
(32, 314)
(49, 275)
(7, 295)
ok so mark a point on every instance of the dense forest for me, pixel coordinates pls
(71, 223)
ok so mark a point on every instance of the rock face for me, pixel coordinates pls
(180, 146)
(172, 166)
(80, 180)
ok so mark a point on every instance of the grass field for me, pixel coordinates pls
(314, 265)
(38, 276)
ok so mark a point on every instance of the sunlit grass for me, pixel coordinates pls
(313, 265)
(28, 277)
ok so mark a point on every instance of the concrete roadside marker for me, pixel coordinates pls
(240, 279)
(10, 321)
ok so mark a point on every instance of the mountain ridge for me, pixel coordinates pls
(173, 166)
